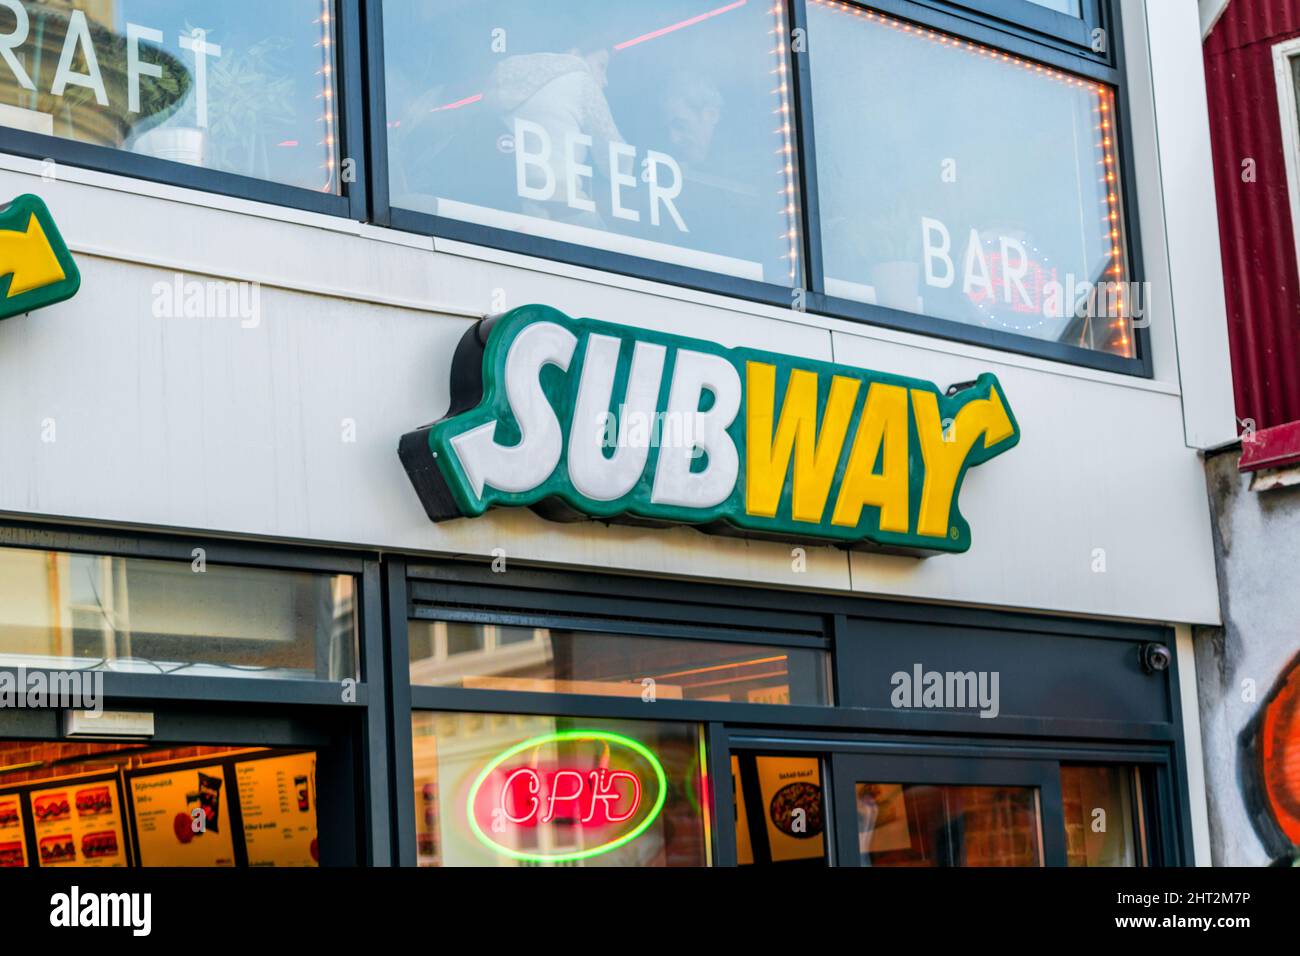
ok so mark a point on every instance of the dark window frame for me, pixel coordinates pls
(372, 733)
(427, 587)
(989, 22)
(1162, 840)
(1033, 19)
(252, 712)
(351, 203)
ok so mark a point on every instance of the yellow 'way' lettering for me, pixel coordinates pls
(769, 448)
(945, 455)
(883, 423)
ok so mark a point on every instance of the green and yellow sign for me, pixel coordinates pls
(578, 418)
(36, 268)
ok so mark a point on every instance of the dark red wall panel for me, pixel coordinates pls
(1258, 241)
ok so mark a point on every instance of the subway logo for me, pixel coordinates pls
(580, 419)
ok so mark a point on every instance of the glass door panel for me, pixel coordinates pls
(1104, 824)
(898, 810)
(935, 825)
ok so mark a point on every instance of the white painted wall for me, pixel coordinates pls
(202, 424)
(1180, 218)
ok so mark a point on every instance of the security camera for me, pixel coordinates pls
(1156, 658)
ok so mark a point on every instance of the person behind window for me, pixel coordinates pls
(564, 93)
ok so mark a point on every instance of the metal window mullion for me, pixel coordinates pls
(805, 155)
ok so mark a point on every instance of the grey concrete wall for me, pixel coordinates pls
(1257, 546)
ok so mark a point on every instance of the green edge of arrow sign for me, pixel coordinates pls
(36, 268)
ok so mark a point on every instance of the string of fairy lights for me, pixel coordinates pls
(785, 137)
(1119, 339)
(1114, 221)
(326, 72)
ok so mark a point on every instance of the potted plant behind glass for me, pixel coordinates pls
(247, 96)
(250, 108)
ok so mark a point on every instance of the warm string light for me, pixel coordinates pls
(956, 43)
(326, 72)
(1114, 271)
(1115, 267)
(785, 137)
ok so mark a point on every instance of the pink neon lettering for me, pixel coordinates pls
(555, 792)
(534, 785)
(604, 789)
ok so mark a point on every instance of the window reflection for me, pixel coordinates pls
(554, 661)
(966, 184)
(942, 826)
(659, 130)
(238, 86)
(136, 615)
(1100, 815)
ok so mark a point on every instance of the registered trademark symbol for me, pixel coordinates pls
(953, 533)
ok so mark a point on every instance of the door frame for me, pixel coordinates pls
(1156, 763)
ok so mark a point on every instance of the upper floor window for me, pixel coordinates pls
(74, 611)
(240, 86)
(661, 130)
(951, 167)
(1286, 68)
(967, 184)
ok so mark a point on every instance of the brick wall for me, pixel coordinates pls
(53, 755)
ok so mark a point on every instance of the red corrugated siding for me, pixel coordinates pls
(1259, 251)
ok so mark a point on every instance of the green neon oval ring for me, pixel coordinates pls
(634, 745)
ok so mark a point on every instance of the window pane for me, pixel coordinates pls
(251, 92)
(1295, 79)
(659, 129)
(1099, 815)
(133, 804)
(92, 612)
(1069, 7)
(926, 825)
(965, 184)
(551, 661)
(500, 790)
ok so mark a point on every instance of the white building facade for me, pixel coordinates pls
(227, 390)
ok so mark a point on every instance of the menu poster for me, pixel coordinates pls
(78, 821)
(790, 785)
(277, 798)
(13, 835)
(181, 815)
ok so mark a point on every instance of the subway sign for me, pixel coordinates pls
(577, 418)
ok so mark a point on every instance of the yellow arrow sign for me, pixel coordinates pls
(36, 268)
(30, 258)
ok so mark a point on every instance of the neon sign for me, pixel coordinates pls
(581, 798)
(572, 797)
